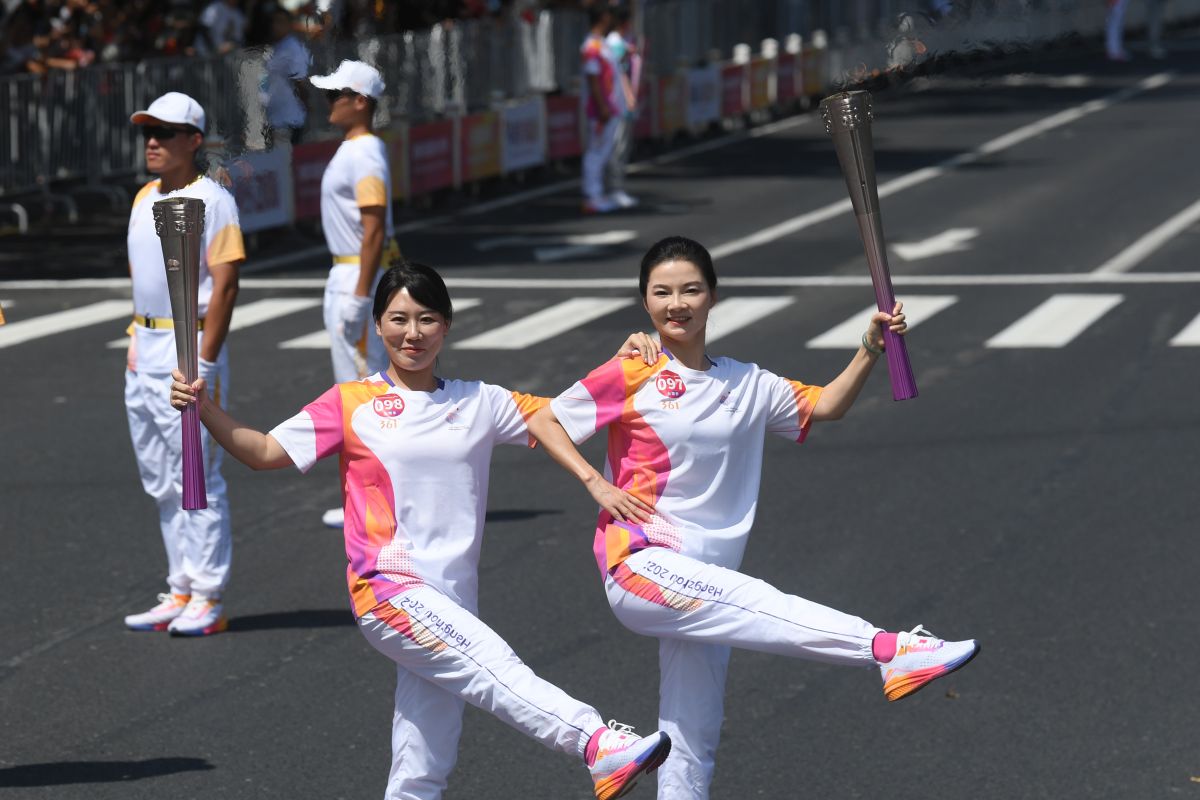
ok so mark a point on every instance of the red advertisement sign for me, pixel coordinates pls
(786, 89)
(733, 90)
(479, 138)
(430, 157)
(563, 139)
(308, 166)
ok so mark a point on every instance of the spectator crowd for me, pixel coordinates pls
(40, 35)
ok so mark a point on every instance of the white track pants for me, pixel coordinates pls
(618, 162)
(601, 141)
(366, 355)
(445, 655)
(199, 545)
(698, 611)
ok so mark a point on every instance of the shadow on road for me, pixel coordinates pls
(61, 773)
(301, 618)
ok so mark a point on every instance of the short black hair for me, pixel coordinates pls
(677, 248)
(423, 284)
(597, 11)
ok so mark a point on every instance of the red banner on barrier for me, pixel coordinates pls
(308, 167)
(430, 157)
(733, 90)
(563, 139)
(479, 140)
(786, 88)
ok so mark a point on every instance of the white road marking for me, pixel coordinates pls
(1056, 322)
(319, 340)
(848, 334)
(255, 313)
(1140, 250)
(897, 185)
(954, 240)
(73, 319)
(544, 324)
(1189, 336)
(780, 281)
(735, 313)
(607, 237)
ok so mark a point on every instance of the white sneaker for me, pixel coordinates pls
(158, 618)
(922, 659)
(334, 518)
(623, 757)
(600, 205)
(623, 200)
(202, 616)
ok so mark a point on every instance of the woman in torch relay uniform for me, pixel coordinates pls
(415, 451)
(685, 435)
(356, 216)
(198, 543)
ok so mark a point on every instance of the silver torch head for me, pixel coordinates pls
(847, 117)
(179, 222)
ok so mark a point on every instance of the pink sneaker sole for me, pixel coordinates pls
(220, 625)
(621, 782)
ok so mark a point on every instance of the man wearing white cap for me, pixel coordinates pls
(198, 543)
(356, 215)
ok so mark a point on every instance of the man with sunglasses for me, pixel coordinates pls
(356, 216)
(198, 543)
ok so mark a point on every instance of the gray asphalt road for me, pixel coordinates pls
(1037, 498)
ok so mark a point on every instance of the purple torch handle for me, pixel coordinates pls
(179, 222)
(847, 117)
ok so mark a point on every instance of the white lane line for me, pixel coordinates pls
(1000, 143)
(605, 237)
(24, 330)
(544, 324)
(255, 313)
(735, 313)
(848, 334)
(1189, 336)
(1056, 322)
(1140, 250)
(319, 340)
(630, 283)
(954, 240)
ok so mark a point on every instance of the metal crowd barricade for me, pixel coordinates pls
(21, 144)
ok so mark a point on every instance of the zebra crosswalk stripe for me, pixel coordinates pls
(735, 313)
(1189, 336)
(319, 340)
(1056, 321)
(848, 335)
(255, 313)
(18, 331)
(544, 324)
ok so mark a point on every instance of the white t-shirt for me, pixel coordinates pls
(688, 442)
(151, 298)
(415, 468)
(288, 62)
(357, 177)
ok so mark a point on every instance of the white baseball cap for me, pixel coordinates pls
(175, 108)
(353, 75)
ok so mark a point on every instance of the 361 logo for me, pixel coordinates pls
(390, 405)
(669, 385)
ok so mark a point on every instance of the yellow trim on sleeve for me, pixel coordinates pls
(145, 190)
(227, 246)
(370, 191)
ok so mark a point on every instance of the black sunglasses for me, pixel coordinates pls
(333, 95)
(161, 132)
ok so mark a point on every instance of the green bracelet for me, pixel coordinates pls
(867, 345)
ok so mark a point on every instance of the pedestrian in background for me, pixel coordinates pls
(624, 50)
(222, 28)
(604, 100)
(356, 216)
(1114, 31)
(198, 543)
(284, 90)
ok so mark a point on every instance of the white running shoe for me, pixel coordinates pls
(922, 659)
(623, 200)
(600, 205)
(623, 757)
(334, 518)
(158, 618)
(202, 616)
